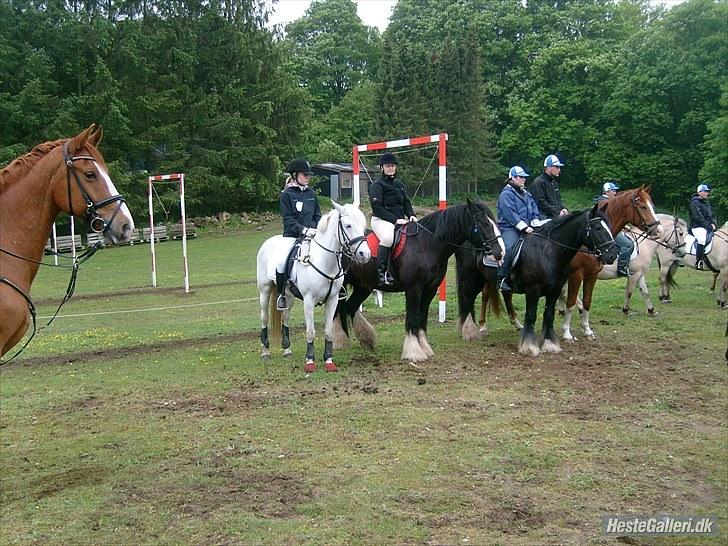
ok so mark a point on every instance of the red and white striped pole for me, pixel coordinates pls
(177, 177)
(441, 140)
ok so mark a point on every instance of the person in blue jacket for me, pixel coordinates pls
(517, 216)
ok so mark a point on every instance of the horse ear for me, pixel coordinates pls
(337, 206)
(96, 137)
(77, 142)
(595, 208)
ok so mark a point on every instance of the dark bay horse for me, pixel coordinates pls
(543, 269)
(418, 272)
(626, 207)
(64, 175)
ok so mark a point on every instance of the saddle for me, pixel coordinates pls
(400, 239)
(691, 245)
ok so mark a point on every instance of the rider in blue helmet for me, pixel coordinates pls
(624, 243)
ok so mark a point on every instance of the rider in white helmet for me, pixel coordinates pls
(624, 243)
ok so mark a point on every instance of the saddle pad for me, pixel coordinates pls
(400, 238)
(691, 245)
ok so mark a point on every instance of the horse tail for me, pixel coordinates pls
(670, 278)
(342, 312)
(491, 296)
(275, 318)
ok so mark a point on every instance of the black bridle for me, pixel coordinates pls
(95, 221)
(485, 241)
(648, 226)
(597, 249)
(349, 247)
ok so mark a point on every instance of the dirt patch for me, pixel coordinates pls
(267, 495)
(52, 484)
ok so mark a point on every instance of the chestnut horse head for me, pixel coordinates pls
(64, 175)
(632, 207)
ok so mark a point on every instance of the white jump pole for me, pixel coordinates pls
(55, 245)
(441, 139)
(177, 177)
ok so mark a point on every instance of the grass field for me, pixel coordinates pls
(145, 416)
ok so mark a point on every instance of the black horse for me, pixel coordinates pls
(542, 271)
(418, 272)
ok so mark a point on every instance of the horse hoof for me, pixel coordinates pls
(265, 356)
(625, 311)
(651, 312)
(591, 337)
(287, 352)
(666, 300)
(310, 367)
(569, 339)
(330, 367)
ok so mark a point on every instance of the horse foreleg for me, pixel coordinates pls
(330, 309)
(723, 290)
(549, 340)
(467, 294)
(308, 306)
(422, 334)
(628, 291)
(264, 298)
(589, 283)
(528, 345)
(642, 284)
(411, 349)
(512, 316)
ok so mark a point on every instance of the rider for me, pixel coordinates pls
(702, 222)
(301, 214)
(609, 190)
(390, 207)
(517, 215)
(545, 189)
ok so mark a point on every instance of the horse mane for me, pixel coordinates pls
(445, 224)
(557, 223)
(20, 166)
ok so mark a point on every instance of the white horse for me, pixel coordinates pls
(671, 239)
(339, 238)
(716, 253)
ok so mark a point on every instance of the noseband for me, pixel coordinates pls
(94, 219)
(349, 245)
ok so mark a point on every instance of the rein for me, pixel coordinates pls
(485, 246)
(597, 252)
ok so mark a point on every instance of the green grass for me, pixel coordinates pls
(165, 427)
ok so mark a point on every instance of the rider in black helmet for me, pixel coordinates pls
(390, 207)
(301, 214)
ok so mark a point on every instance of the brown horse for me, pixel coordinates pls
(627, 207)
(64, 175)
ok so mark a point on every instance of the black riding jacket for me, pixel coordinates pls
(701, 213)
(545, 191)
(389, 200)
(300, 209)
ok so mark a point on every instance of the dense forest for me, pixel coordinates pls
(619, 89)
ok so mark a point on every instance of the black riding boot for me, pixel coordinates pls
(623, 269)
(699, 252)
(281, 303)
(383, 276)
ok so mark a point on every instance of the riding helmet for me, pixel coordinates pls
(300, 165)
(387, 157)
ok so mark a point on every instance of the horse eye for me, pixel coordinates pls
(91, 175)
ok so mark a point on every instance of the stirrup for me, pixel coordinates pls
(281, 303)
(386, 280)
(700, 265)
(503, 286)
(623, 272)
(342, 293)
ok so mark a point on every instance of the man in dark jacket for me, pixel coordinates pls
(702, 222)
(545, 189)
(390, 207)
(301, 213)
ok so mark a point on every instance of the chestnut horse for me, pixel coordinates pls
(627, 207)
(64, 175)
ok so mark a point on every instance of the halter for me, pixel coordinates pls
(94, 219)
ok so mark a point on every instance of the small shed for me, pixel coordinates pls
(341, 177)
